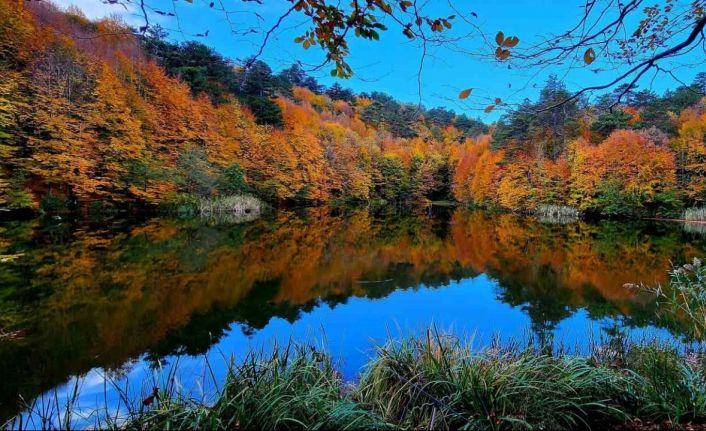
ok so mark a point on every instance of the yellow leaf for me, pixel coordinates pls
(589, 56)
(488, 109)
(499, 38)
(465, 93)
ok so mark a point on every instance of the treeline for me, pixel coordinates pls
(92, 115)
(645, 155)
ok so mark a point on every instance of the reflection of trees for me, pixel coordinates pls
(97, 297)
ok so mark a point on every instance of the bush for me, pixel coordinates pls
(232, 181)
(613, 202)
(53, 204)
(199, 176)
(181, 204)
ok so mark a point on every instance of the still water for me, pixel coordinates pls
(115, 299)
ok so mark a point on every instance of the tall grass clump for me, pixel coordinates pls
(437, 383)
(294, 387)
(557, 214)
(237, 206)
(694, 214)
(671, 384)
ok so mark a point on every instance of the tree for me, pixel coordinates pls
(337, 92)
(690, 151)
(700, 82)
(610, 121)
(393, 183)
(296, 76)
(624, 175)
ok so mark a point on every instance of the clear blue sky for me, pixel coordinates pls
(391, 64)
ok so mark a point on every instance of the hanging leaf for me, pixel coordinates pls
(488, 109)
(465, 93)
(589, 56)
(511, 42)
(499, 38)
(498, 101)
(502, 54)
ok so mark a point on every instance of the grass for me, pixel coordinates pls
(293, 387)
(433, 381)
(236, 205)
(437, 383)
(557, 214)
(694, 214)
(685, 295)
(221, 209)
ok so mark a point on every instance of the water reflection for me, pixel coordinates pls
(97, 295)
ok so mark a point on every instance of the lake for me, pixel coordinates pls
(115, 299)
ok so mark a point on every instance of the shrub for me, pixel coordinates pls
(232, 181)
(52, 204)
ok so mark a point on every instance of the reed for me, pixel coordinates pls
(236, 205)
(694, 214)
(684, 296)
(557, 214)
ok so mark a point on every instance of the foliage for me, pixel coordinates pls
(93, 113)
(232, 180)
(624, 175)
(52, 204)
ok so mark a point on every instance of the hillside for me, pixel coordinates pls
(92, 115)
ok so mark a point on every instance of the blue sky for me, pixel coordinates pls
(391, 64)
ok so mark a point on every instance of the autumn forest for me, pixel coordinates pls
(92, 115)
(359, 214)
